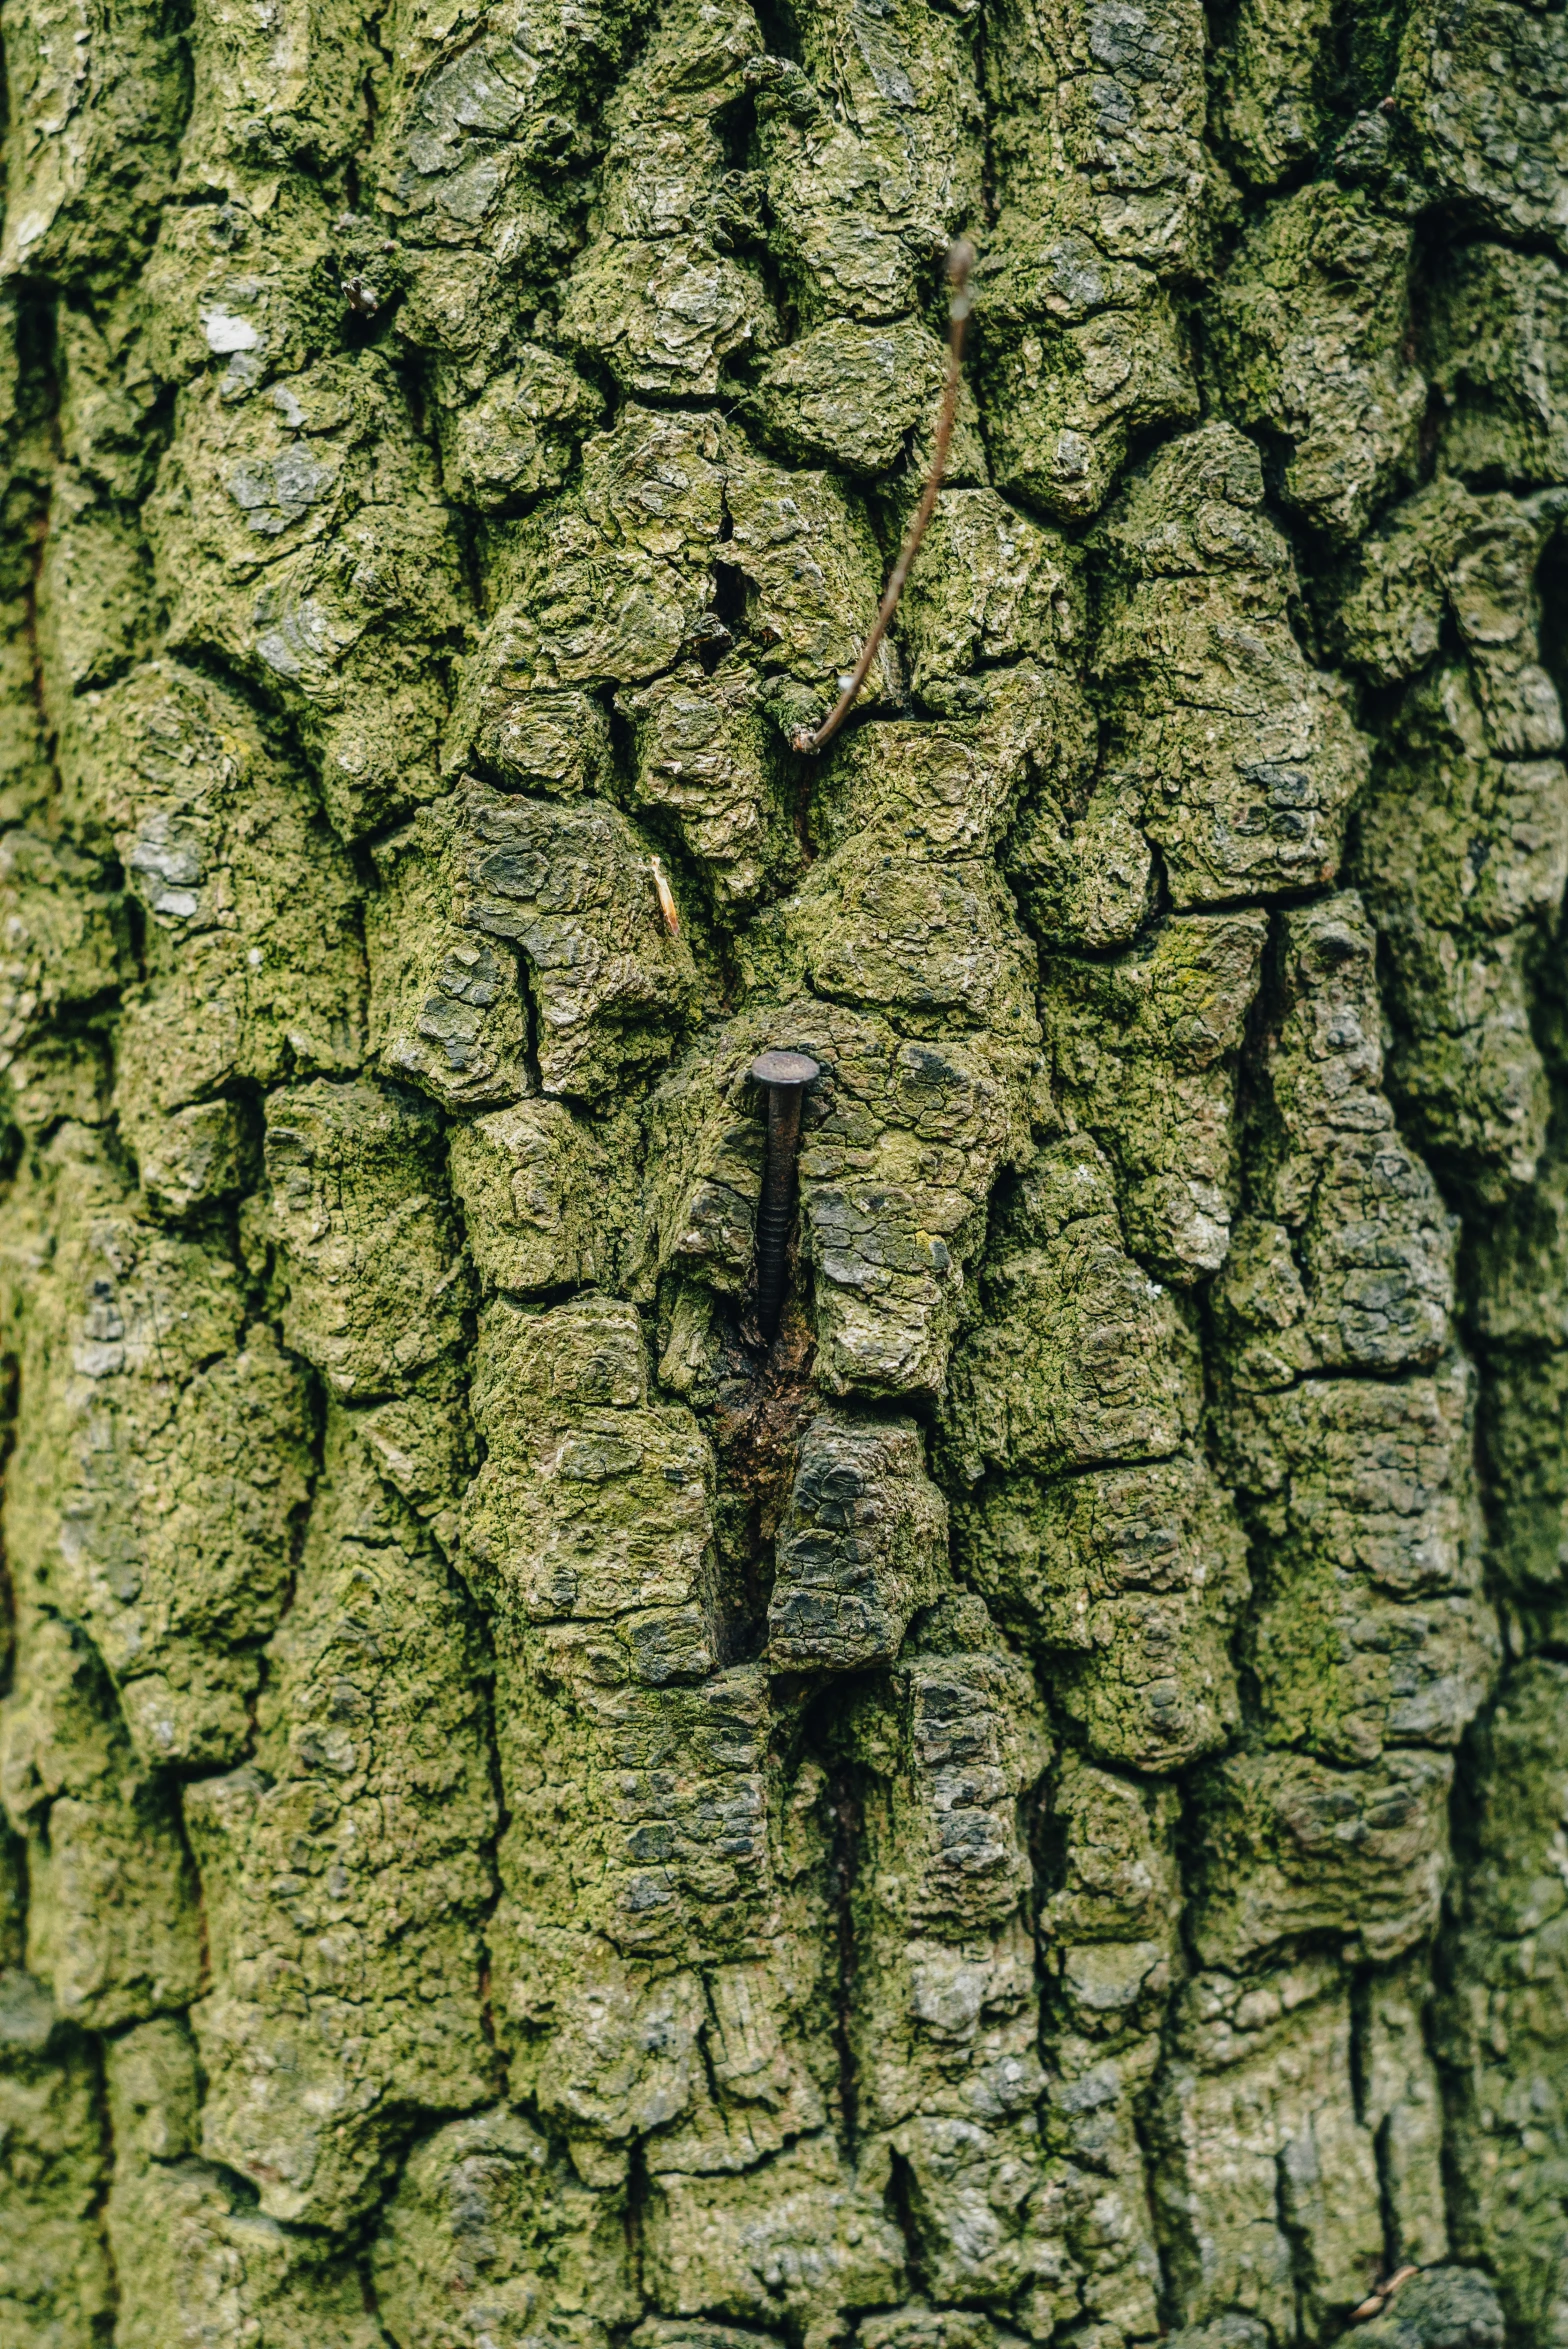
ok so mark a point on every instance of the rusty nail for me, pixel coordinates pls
(786, 1076)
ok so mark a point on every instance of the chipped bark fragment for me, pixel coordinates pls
(862, 1547)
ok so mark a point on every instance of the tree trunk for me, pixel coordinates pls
(1032, 1808)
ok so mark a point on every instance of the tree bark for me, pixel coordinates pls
(1032, 1808)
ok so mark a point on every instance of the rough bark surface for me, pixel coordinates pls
(1037, 1810)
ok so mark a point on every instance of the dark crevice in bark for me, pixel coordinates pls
(98, 2211)
(759, 1416)
(844, 1798)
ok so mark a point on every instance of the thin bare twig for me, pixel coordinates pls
(960, 261)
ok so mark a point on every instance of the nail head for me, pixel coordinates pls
(784, 1068)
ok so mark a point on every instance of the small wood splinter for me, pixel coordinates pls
(666, 896)
(960, 261)
(1381, 2294)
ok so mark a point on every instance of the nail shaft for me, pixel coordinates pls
(785, 1076)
